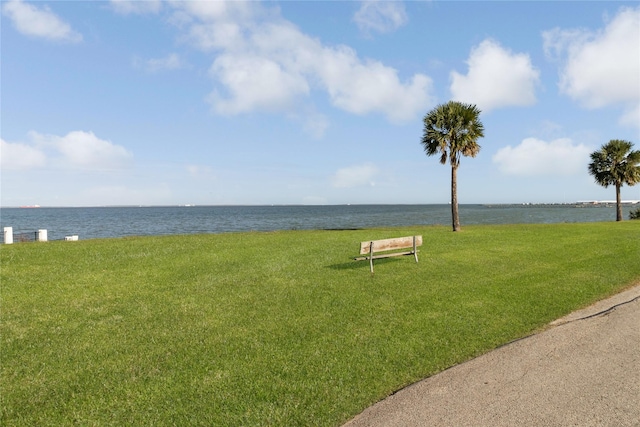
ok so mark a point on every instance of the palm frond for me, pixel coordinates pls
(615, 164)
(452, 130)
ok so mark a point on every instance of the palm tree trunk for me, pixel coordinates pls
(454, 198)
(618, 203)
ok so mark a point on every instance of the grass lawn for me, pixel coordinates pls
(278, 328)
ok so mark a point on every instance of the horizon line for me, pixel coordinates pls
(578, 202)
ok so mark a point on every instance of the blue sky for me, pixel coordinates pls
(299, 102)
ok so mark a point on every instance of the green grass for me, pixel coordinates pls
(277, 328)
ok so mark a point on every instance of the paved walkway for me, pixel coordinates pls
(582, 371)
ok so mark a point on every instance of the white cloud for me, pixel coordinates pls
(215, 11)
(380, 16)
(601, 68)
(17, 156)
(496, 78)
(222, 35)
(267, 64)
(126, 7)
(215, 24)
(153, 65)
(39, 22)
(85, 150)
(255, 82)
(355, 176)
(364, 87)
(537, 157)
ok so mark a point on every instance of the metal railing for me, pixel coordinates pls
(20, 236)
(25, 236)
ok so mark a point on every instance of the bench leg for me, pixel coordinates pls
(415, 250)
(371, 257)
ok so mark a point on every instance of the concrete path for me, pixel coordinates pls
(582, 371)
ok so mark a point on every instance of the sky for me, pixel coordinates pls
(309, 102)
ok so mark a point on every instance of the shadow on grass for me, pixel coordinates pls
(362, 265)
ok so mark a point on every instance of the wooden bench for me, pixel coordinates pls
(373, 246)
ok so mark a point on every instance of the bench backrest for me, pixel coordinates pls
(390, 244)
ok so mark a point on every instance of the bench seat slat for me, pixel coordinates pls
(389, 244)
(377, 246)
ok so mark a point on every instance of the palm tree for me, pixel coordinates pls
(452, 130)
(615, 164)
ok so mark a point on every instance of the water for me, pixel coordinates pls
(107, 222)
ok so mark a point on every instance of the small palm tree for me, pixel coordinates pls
(452, 130)
(615, 164)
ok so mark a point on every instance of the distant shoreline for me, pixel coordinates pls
(118, 221)
(591, 203)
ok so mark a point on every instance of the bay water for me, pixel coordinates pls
(110, 222)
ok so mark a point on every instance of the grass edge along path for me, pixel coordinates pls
(278, 328)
